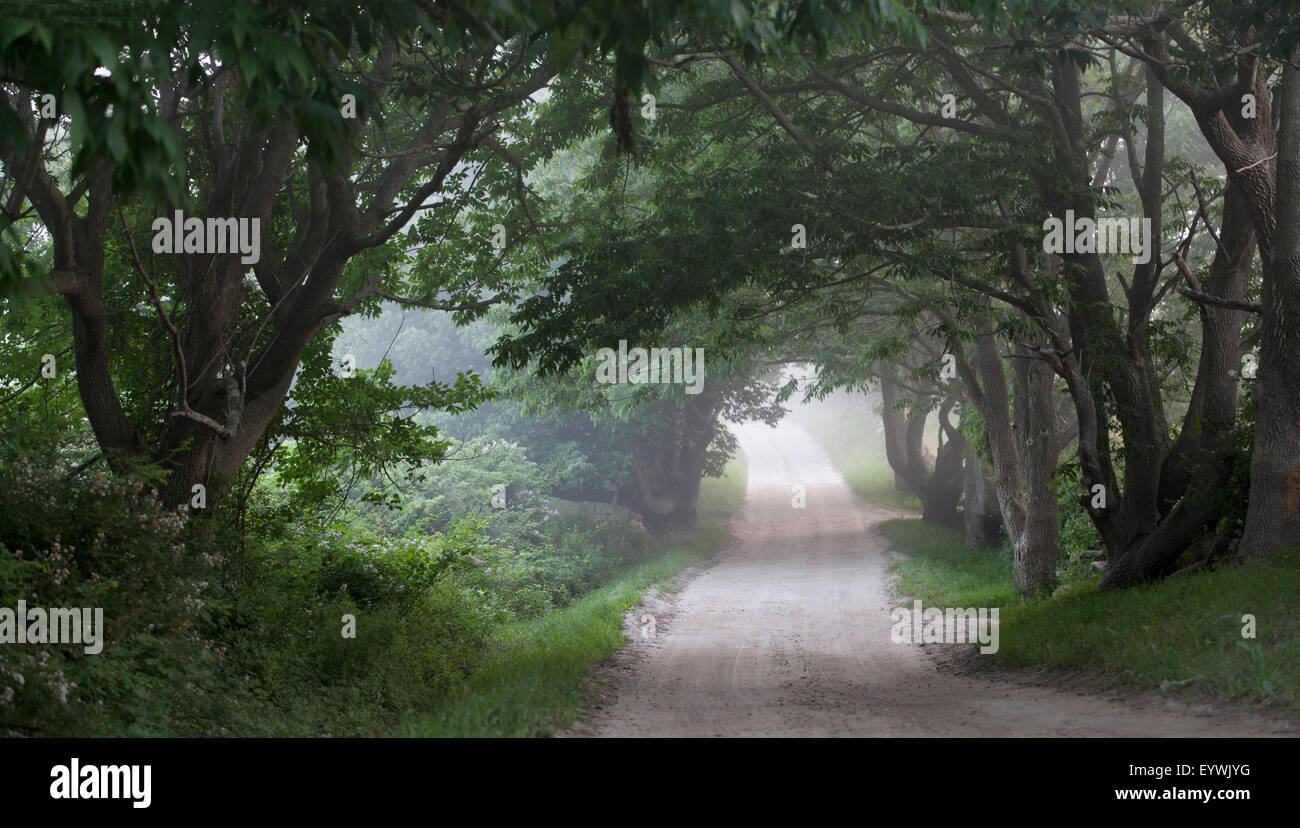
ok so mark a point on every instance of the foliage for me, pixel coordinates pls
(530, 682)
(96, 542)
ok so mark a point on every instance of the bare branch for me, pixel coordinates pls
(179, 350)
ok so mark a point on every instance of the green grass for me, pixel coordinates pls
(532, 680)
(1179, 635)
(856, 450)
(940, 570)
(720, 497)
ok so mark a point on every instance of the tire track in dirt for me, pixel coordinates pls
(787, 634)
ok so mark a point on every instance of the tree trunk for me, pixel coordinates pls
(1273, 516)
(942, 489)
(983, 517)
(1024, 457)
(1202, 457)
(938, 490)
(1038, 547)
(895, 428)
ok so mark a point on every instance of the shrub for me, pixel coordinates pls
(100, 543)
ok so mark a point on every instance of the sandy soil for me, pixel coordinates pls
(787, 634)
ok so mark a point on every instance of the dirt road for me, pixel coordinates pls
(787, 634)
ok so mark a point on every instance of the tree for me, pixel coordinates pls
(1219, 63)
(251, 96)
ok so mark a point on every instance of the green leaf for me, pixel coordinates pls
(248, 67)
(102, 48)
(46, 37)
(116, 140)
(563, 49)
(11, 30)
(71, 107)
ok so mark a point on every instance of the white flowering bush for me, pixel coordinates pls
(95, 542)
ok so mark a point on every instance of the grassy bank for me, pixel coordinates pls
(1182, 635)
(531, 681)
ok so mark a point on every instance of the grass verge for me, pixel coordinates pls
(531, 682)
(1179, 635)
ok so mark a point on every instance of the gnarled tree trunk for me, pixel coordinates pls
(1024, 457)
(939, 490)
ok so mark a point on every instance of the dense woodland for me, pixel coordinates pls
(395, 413)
